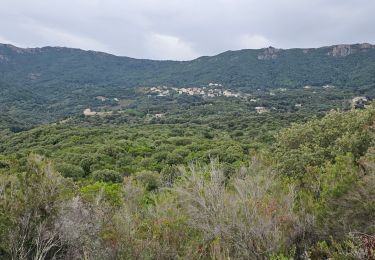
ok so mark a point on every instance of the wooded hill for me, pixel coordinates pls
(344, 65)
(42, 85)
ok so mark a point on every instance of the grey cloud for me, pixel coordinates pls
(180, 29)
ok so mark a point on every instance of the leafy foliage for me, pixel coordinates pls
(186, 177)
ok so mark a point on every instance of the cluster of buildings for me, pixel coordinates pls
(160, 91)
(212, 85)
(103, 99)
(261, 110)
(213, 90)
(89, 112)
(217, 90)
(328, 86)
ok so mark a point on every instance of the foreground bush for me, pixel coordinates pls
(251, 217)
(204, 215)
(30, 205)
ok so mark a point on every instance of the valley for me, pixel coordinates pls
(249, 154)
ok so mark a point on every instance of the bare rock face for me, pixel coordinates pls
(269, 53)
(20, 50)
(366, 46)
(341, 50)
(344, 50)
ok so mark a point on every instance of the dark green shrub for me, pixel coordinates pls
(107, 176)
(70, 171)
(151, 180)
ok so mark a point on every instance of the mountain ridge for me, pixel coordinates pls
(363, 45)
(248, 68)
(53, 82)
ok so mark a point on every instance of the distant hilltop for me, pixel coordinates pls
(339, 50)
(348, 65)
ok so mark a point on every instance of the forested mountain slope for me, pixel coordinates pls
(43, 85)
(348, 65)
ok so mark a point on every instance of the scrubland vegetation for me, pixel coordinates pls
(282, 168)
(308, 194)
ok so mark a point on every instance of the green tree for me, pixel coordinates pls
(71, 171)
(107, 176)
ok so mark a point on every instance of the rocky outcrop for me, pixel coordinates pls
(344, 50)
(360, 102)
(19, 50)
(269, 53)
(366, 46)
(341, 50)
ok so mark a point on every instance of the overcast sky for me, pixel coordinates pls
(184, 29)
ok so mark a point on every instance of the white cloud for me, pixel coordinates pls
(57, 37)
(254, 41)
(161, 46)
(181, 29)
(6, 41)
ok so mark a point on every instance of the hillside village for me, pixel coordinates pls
(210, 91)
(214, 90)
